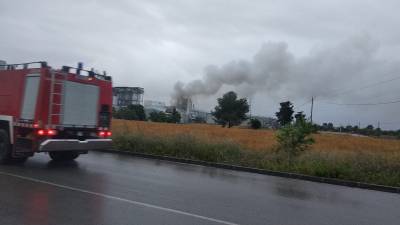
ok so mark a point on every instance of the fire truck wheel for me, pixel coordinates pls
(5, 147)
(63, 156)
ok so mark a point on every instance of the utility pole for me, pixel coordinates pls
(250, 101)
(312, 108)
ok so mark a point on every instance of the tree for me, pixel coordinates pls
(255, 123)
(230, 110)
(378, 131)
(175, 117)
(300, 116)
(158, 117)
(369, 130)
(199, 119)
(369, 127)
(355, 129)
(285, 114)
(131, 112)
(348, 128)
(331, 127)
(295, 138)
(163, 117)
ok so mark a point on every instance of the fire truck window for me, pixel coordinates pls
(30, 96)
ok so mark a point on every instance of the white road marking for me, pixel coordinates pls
(120, 199)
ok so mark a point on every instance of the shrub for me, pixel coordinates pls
(163, 117)
(294, 138)
(255, 123)
(131, 112)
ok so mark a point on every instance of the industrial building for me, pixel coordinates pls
(155, 105)
(184, 106)
(201, 116)
(124, 96)
(189, 114)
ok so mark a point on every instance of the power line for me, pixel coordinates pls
(337, 93)
(364, 104)
(396, 122)
(301, 105)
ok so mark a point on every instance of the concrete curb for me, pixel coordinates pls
(265, 172)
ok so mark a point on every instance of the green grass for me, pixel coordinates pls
(377, 168)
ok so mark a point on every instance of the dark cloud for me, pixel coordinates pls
(156, 43)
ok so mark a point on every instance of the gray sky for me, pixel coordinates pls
(331, 46)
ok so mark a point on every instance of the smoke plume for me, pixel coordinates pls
(276, 71)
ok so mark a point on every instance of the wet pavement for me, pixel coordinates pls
(103, 188)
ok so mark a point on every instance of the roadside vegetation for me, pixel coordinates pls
(294, 139)
(295, 147)
(363, 159)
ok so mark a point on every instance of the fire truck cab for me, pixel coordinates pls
(64, 112)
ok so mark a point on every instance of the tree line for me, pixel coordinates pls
(232, 111)
(137, 112)
(368, 130)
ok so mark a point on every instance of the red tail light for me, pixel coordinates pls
(46, 132)
(51, 132)
(104, 133)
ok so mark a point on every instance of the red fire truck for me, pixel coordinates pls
(64, 112)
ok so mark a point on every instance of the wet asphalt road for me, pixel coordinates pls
(103, 188)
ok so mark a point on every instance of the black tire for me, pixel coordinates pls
(5, 147)
(63, 156)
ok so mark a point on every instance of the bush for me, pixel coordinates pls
(255, 123)
(131, 112)
(162, 117)
(294, 138)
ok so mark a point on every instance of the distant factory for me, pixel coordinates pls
(124, 96)
(189, 114)
(155, 105)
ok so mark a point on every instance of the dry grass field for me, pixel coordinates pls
(339, 156)
(258, 140)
